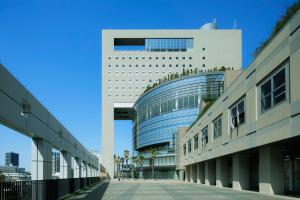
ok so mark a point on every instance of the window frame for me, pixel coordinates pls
(196, 144)
(235, 105)
(204, 142)
(216, 120)
(270, 77)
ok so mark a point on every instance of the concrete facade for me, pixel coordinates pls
(126, 73)
(260, 140)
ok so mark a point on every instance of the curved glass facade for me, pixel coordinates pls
(160, 111)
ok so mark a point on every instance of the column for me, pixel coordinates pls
(240, 171)
(202, 172)
(41, 167)
(187, 173)
(271, 180)
(198, 172)
(77, 168)
(210, 172)
(222, 172)
(191, 174)
(77, 172)
(83, 169)
(181, 175)
(65, 164)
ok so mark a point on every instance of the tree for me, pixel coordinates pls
(117, 161)
(153, 155)
(141, 160)
(134, 160)
(122, 164)
(126, 157)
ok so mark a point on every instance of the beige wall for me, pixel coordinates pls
(278, 123)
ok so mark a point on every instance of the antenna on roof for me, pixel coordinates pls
(234, 24)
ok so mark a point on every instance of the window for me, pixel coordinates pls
(217, 126)
(204, 136)
(203, 65)
(203, 49)
(203, 58)
(273, 90)
(190, 58)
(189, 146)
(237, 113)
(196, 142)
(170, 58)
(184, 149)
(183, 58)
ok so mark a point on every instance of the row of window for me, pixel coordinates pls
(123, 88)
(123, 95)
(150, 65)
(272, 91)
(150, 58)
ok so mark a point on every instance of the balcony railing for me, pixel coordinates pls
(52, 188)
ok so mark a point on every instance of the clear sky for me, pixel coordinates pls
(54, 49)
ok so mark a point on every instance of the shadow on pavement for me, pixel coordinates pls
(93, 193)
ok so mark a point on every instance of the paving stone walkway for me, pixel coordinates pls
(160, 190)
(169, 190)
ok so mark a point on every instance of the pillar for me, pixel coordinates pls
(65, 164)
(77, 168)
(240, 171)
(222, 172)
(41, 167)
(201, 172)
(198, 172)
(181, 175)
(84, 169)
(271, 180)
(210, 172)
(187, 173)
(191, 173)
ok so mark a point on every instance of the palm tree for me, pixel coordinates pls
(141, 160)
(126, 157)
(134, 160)
(122, 164)
(153, 155)
(118, 161)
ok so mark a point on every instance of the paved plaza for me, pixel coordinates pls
(165, 190)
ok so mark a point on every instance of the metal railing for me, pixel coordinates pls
(43, 189)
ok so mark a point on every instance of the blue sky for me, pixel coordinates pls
(54, 49)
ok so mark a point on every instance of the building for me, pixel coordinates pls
(14, 173)
(133, 59)
(55, 163)
(249, 139)
(160, 111)
(11, 159)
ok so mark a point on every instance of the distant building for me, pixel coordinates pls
(55, 162)
(14, 173)
(11, 159)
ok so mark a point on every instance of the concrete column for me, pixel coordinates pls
(83, 169)
(271, 180)
(191, 174)
(210, 172)
(198, 172)
(181, 175)
(41, 167)
(77, 168)
(202, 172)
(84, 173)
(187, 173)
(240, 171)
(65, 164)
(222, 172)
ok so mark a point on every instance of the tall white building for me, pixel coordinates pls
(133, 59)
